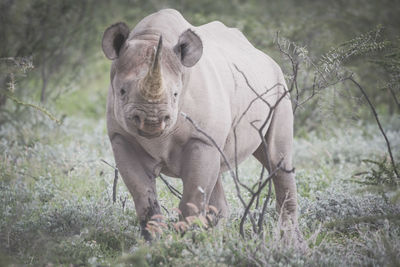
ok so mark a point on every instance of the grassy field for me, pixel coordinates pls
(56, 204)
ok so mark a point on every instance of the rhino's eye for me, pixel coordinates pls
(175, 94)
(122, 91)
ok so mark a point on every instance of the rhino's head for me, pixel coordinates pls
(147, 78)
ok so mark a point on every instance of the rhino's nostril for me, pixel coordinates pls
(167, 118)
(136, 119)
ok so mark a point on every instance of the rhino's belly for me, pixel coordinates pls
(245, 138)
(165, 170)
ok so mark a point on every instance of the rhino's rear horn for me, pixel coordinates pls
(156, 64)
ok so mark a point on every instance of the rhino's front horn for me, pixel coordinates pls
(152, 87)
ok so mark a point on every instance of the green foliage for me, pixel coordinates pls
(56, 34)
(363, 44)
(390, 61)
(383, 174)
(381, 178)
(14, 67)
(317, 85)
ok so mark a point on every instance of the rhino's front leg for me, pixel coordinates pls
(200, 169)
(131, 163)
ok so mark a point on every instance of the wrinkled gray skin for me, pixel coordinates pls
(196, 75)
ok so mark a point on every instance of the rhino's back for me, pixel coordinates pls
(224, 37)
(230, 43)
(228, 49)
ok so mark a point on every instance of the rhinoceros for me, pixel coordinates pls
(212, 73)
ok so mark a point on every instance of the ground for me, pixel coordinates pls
(56, 204)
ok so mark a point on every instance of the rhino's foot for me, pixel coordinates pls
(146, 235)
(144, 232)
(292, 237)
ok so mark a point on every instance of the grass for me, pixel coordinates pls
(56, 204)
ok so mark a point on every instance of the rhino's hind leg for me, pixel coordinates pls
(279, 155)
(285, 188)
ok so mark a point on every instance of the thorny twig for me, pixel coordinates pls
(173, 190)
(115, 180)
(264, 209)
(379, 125)
(253, 197)
(319, 83)
(30, 105)
(259, 184)
(295, 67)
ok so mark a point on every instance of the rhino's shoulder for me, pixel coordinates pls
(223, 35)
(219, 27)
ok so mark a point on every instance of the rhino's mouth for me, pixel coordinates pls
(148, 128)
(149, 135)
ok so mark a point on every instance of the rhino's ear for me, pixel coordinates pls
(189, 48)
(113, 39)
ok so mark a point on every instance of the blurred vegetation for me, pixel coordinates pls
(55, 194)
(63, 39)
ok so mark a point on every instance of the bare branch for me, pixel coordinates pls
(253, 197)
(259, 184)
(394, 96)
(115, 180)
(264, 209)
(173, 190)
(379, 125)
